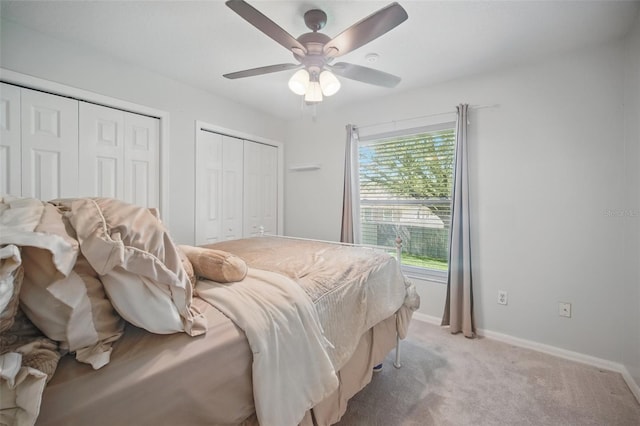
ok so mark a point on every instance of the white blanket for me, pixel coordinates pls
(282, 327)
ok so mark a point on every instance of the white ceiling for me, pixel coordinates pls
(197, 41)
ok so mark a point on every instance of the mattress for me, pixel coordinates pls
(156, 379)
(178, 379)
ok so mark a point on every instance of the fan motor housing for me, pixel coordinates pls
(314, 42)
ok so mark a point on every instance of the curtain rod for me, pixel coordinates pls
(424, 116)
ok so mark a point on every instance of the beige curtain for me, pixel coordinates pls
(349, 233)
(458, 311)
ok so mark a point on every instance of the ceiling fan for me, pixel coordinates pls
(315, 51)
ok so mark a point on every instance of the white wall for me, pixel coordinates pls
(28, 52)
(546, 165)
(631, 348)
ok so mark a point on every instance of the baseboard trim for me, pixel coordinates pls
(427, 318)
(633, 385)
(550, 350)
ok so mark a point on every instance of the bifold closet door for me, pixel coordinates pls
(49, 125)
(270, 179)
(232, 184)
(141, 160)
(118, 155)
(10, 140)
(101, 151)
(219, 183)
(208, 187)
(260, 188)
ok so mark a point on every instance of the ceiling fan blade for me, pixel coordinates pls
(364, 74)
(262, 70)
(267, 26)
(366, 30)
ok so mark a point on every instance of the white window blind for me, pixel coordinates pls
(405, 190)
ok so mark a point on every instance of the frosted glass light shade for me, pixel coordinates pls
(314, 92)
(329, 83)
(299, 82)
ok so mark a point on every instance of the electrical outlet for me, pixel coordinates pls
(502, 297)
(564, 309)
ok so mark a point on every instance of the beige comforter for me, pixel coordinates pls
(352, 287)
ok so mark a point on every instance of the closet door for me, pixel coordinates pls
(118, 155)
(49, 145)
(219, 186)
(232, 187)
(208, 187)
(252, 191)
(260, 188)
(141, 160)
(10, 164)
(101, 151)
(269, 156)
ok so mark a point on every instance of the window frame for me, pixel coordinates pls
(411, 271)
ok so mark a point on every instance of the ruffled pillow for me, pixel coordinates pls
(216, 265)
(68, 306)
(138, 264)
(54, 296)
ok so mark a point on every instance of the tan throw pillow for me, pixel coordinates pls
(216, 265)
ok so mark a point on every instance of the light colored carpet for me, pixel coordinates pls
(451, 380)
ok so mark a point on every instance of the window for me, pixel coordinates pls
(405, 184)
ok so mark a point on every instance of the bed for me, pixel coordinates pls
(267, 330)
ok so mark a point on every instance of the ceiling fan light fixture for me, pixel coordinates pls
(329, 83)
(314, 93)
(299, 82)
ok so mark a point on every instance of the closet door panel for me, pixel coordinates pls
(253, 195)
(260, 189)
(269, 181)
(208, 187)
(49, 145)
(232, 186)
(141, 165)
(10, 135)
(101, 151)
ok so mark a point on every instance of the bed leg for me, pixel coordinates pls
(399, 250)
(396, 363)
